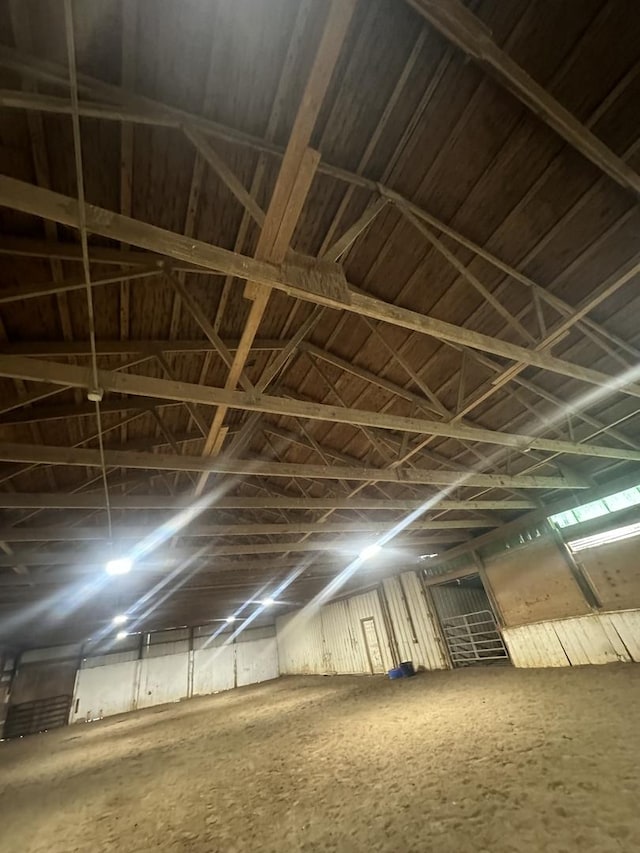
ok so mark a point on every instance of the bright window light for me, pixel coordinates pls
(120, 619)
(231, 619)
(596, 509)
(370, 551)
(267, 602)
(121, 566)
(605, 538)
(121, 635)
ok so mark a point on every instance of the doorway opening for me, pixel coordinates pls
(468, 622)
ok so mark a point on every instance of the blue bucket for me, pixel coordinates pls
(395, 673)
(407, 668)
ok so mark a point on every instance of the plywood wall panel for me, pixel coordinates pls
(534, 584)
(614, 571)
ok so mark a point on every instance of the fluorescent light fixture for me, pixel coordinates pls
(370, 551)
(121, 566)
(231, 619)
(120, 619)
(427, 556)
(605, 538)
(121, 635)
(267, 602)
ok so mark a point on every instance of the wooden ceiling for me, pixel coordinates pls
(280, 275)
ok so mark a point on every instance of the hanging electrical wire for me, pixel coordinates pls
(95, 393)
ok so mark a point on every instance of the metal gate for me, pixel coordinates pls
(39, 715)
(473, 638)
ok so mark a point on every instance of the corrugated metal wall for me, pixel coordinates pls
(414, 626)
(331, 640)
(108, 685)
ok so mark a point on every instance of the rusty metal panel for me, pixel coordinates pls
(535, 645)
(413, 624)
(625, 626)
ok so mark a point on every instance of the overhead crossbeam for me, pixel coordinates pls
(81, 500)
(133, 384)
(82, 457)
(305, 278)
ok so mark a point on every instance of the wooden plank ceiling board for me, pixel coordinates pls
(349, 262)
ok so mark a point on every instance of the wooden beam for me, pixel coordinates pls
(465, 30)
(345, 546)
(34, 291)
(136, 385)
(63, 500)
(49, 455)
(291, 189)
(227, 176)
(304, 275)
(59, 533)
(129, 347)
(308, 279)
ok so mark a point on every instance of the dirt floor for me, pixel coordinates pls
(489, 760)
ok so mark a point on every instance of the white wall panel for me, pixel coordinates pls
(104, 691)
(595, 639)
(163, 679)
(625, 626)
(535, 645)
(344, 653)
(585, 641)
(301, 648)
(213, 669)
(365, 607)
(413, 624)
(256, 661)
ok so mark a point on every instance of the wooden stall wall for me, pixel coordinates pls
(534, 583)
(614, 572)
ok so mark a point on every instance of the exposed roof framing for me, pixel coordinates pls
(332, 290)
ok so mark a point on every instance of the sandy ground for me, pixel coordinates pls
(489, 761)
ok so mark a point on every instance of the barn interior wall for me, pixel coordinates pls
(331, 640)
(534, 583)
(547, 618)
(160, 669)
(614, 572)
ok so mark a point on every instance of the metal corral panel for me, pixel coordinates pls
(535, 645)
(585, 641)
(256, 661)
(625, 626)
(301, 649)
(412, 622)
(344, 653)
(456, 600)
(213, 669)
(104, 691)
(163, 679)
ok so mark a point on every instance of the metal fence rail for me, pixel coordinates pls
(473, 638)
(37, 716)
